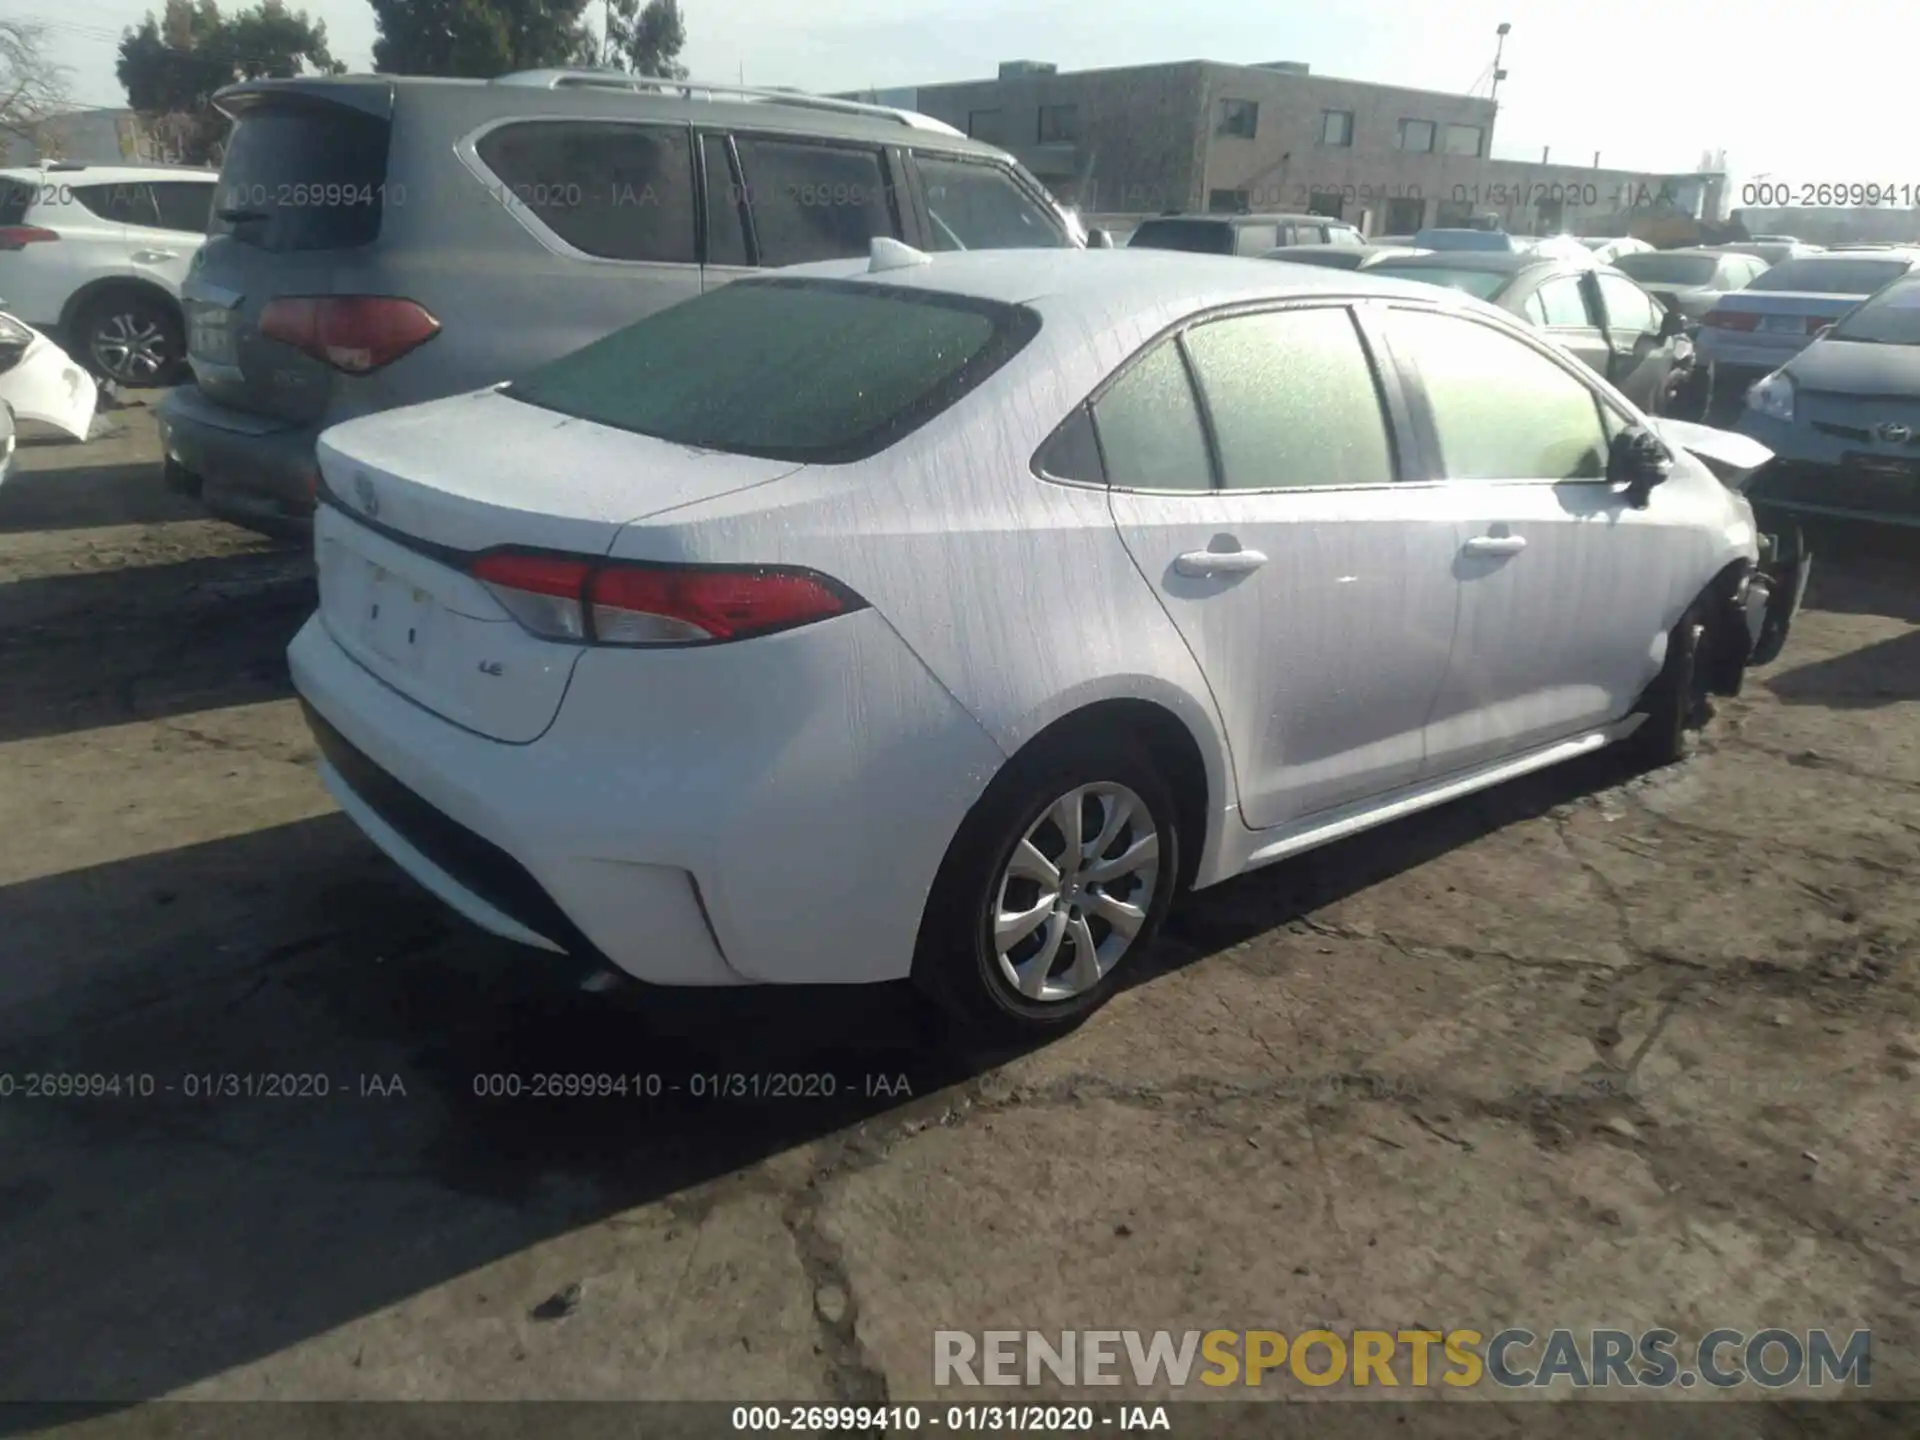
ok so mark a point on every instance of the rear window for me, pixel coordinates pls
(1817, 275)
(805, 370)
(1482, 283)
(616, 191)
(305, 178)
(1198, 237)
(1653, 268)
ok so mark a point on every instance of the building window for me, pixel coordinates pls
(1452, 214)
(1327, 203)
(1336, 127)
(1058, 123)
(984, 125)
(1463, 139)
(1551, 216)
(1404, 216)
(1227, 202)
(1236, 117)
(1416, 135)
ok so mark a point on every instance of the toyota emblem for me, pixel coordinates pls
(363, 491)
(1895, 434)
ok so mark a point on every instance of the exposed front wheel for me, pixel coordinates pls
(1676, 705)
(1056, 882)
(132, 339)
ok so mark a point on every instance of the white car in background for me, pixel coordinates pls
(98, 253)
(944, 616)
(39, 381)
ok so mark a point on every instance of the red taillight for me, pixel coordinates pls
(561, 598)
(1730, 320)
(1817, 323)
(354, 333)
(18, 237)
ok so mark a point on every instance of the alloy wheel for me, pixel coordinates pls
(130, 347)
(1075, 892)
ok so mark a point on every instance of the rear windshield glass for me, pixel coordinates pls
(806, 370)
(1199, 237)
(307, 178)
(1818, 275)
(1657, 269)
(1463, 240)
(1483, 283)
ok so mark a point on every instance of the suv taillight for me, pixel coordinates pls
(354, 333)
(18, 237)
(613, 603)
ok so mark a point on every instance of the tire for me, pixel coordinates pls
(1676, 704)
(134, 339)
(959, 961)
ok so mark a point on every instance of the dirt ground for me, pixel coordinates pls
(1357, 1090)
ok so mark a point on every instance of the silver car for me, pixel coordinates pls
(1753, 331)
(382, 240)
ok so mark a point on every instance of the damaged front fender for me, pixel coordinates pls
(45, 384)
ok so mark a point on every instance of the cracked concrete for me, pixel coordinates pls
(1593, 1049)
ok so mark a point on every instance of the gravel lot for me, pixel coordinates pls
(1358, 1091)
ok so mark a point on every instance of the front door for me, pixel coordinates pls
(1253, 479)
(1566, 591)
(1640, 355)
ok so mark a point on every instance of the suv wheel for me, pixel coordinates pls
(132, 339)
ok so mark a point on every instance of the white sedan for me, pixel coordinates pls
(943, 616)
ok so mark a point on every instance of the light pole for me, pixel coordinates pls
(1499, 48)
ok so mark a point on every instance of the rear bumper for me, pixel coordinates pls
(1718, 346)
(251, 470)
(668, 822)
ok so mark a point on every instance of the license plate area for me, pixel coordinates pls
(386, 613)
(1887, 469)
(1782, 325)
(210, 335)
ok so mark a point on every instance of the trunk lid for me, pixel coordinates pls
(416, 492)
(297, 207)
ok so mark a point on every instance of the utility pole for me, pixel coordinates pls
(1499, 47)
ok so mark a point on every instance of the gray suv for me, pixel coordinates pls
(382, 240)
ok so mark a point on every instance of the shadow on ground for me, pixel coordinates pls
(86, 498)
(105, 647)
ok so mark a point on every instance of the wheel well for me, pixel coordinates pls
(81, 299)
(1726, 641)
(1167, 742)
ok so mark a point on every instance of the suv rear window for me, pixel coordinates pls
(308, 177)
(1199, 237)
(805, 370)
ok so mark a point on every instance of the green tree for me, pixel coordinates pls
(172, 65)
(478, 38)
(646, 40)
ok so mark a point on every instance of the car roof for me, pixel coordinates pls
(1509, 262)
(1849, 257)
(71, 175)
(1095, 282)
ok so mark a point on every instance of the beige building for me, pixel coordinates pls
(1199, 135)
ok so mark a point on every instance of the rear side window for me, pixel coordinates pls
(1559, 302)
(1829, 277)
(726, 206)
(803, 370)
(1197, 237)
(978, 206)
(1292, 400)
(301, 178)
(813, 201)
(123, 203)
(1627, 307)
(1256, 239)
(617, 192)
(1150, 431)
(184, 205)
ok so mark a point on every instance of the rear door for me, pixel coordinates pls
(169, 226)
(304, 185)
(1561, 306)
(1259, 499)
(976, 204)
(1639, 356)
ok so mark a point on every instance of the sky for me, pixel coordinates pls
(1649, 84)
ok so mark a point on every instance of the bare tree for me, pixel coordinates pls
(32, 87)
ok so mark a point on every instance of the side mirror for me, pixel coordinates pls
(1638, 460)
(1672, 323)
(1098, 239)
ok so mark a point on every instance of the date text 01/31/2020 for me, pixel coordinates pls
(694, 1085)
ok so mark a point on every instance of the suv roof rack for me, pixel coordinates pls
(709, 90)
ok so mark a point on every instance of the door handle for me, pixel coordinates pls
(1219, 562)
(1496, 545)
(149, 257)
